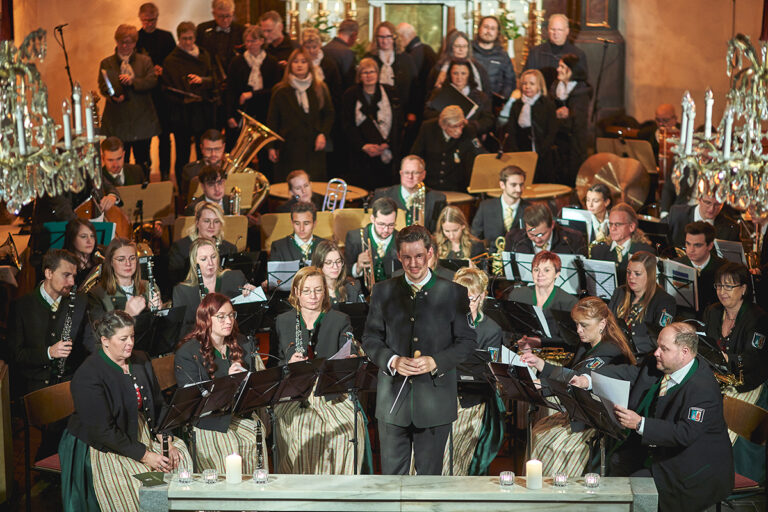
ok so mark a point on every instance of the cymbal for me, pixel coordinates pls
(626, 178)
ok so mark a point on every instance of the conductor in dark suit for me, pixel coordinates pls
(380, 237)
(541, 233)
(301, 244)
(417, 332)
(707, 210)
(412, 172)
(677, 432)
(115, 170)
(212, 182)
(699, 242)
(496, 216)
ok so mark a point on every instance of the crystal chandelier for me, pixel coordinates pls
(32, 162)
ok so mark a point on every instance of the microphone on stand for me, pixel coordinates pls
(204, 392)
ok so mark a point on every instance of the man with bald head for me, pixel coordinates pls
(424, 57)
(546, 56)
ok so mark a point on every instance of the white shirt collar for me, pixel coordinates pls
(547, 246)
(120, 177)
(128, 289)
(698, 218)
(422, 282)
(677, 377)
(504, 204)
(47, 297)
(701, 267)
(625, 247)
(220, 202)
(381, 242)
(404, 192)
(300, 242)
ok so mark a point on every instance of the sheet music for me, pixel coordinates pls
(568, 279)
(611, 391)
(601, 278)
(280, 274)
(731, 251)
(524, 263)
(578, 214)
(256, 295)
(681, 282)
(344, 352)
(542, 321)
(511, 358)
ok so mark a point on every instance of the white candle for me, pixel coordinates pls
(76, 95)
(728, 133)
(533, 478)
(689, 138)
(538, 5)
(684, 122)
(21, 135)
(293, 5)
(309, 7)
(67, 114)
(89, 118)
(234, 465)
(709, 99)
(353, 5)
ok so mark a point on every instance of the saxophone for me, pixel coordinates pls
(200, 284)
(497, 262)
(66, 335)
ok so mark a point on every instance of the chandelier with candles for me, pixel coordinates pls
(32, 161)
(731, 165)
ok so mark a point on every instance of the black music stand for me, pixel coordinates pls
(578, 225)
(158, 332)
(351, 375)
(358, 314)
(658, 233)
(225, 394)
(453, 264)
(250, 316)
(183, 412)
(523, 318)
(567, 327)
(252, 264)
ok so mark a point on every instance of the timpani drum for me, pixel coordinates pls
(279, 193)
(555, 196)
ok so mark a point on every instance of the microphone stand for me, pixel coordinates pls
(599, 80)
(60, 39)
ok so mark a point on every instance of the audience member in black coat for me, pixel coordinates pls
(279, 45)
(546, 56)
(371, 116)
(340, 50)
(325, 67)
(496, 216)
(708, 210)
(457, 46)
(571, 94)
(541, 233)
(395, 68)
(423, 56)
(221, 37)
(532, 126)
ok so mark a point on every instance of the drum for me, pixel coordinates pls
(462, 201)
(555, 196)
(279, 193)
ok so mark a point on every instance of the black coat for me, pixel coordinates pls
(489, 335)
(226, 203)
(546, 56)
(332, 79)
(229, 283)
(705, 280)
(157, 44)
(317, 200)
(602, 251)
(106, 412)
(564, 241)
(424, 59)
(488, 222)
(435, 322)
(366, 171)
(685, 436)
(482, 120)
(449, 163)
(100, 302)
(190, 369)
(662, 308)
(133, 175)
(185, 114)
(328, 338)
(237, 84)
(482, 80)
(405, 80)
(300, 129)
(682, 215)
(33, 327)
(498, 65)
(344, 57)
(571, 139)
(541, 133)
(434, 202)
(286, 249)
(282, 51)
(746, 342)
(221, 46)
(353, 247)
(178, 257)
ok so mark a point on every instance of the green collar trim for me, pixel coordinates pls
(549, 300)
(318, 320)
(111, 363)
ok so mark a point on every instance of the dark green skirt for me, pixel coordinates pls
(77, 494)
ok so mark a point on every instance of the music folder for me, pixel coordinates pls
(280, 274)
(524, 318)
(474, 373)
(158, 332)
(287, 383)
(353, 374)
(515, 383)
(582, 405)
(450, 95)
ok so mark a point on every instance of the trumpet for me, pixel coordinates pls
(368, 276)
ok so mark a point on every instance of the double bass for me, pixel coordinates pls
(90, 210)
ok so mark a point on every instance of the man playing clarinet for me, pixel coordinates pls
(417, 332)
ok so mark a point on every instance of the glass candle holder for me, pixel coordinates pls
(185, 476)
(260, 476)
(506, 479)
(560, 479)
(210, 476)
(591, 480)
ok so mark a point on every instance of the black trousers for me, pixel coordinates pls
(428, 448)
(140, 154)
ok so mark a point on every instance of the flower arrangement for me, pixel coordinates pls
(509, 25)
(321, 23)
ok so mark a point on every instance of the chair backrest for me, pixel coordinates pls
(235, 229)
(275, 226)
(348, 219)
(748, 420)
(165, 371)
(245, 181)
(48, 405)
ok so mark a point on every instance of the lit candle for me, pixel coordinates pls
(89, 118)
(66, 116)
(538, 5)
(533, 479)
(210, 476)
(21, 135)
(709, 99)
(689, 138)
(260, 476)
(234, 465)
(293, 5)
(185, 477)
(353, 5)
(560, 479)
(309, 7)
(506, 478)
(684, 122)
(728, 133)
(76, 95)
(592, 480)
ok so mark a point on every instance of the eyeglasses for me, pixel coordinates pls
(221, 316)
(535, 235)
(333, 263)
(381, 225)
(460, 46)
(617, 224)
(411, 174)
(474, 298)
(123, 259)
(727, 287)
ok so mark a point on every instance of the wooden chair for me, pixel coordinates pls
(750, 422)
(41, 408)
(165, 371)
(347, 219)
(275, 226)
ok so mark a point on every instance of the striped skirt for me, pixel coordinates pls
(466, 432)
(748, 396)
(241, 437)
(558, 448)
(113, 482)
(314, 437)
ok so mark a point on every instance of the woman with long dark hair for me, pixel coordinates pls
(560, 444)
(599, 202)
(216, 348)
(341, 288)
(80, 239)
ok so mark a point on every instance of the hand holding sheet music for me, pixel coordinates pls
(611, 392)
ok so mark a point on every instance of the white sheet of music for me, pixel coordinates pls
(256, 295)
(731, 251)
(578, 214)
(512, 358)
(280, 274)
(542, 321)
(680, 281)
(601, 278)
(344, 352)
(611, 391)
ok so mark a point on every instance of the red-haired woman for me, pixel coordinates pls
(216, 348)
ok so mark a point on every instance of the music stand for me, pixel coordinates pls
(183, 412)
(149, 201)
(453, 264)
(566, 327)
(657, 232)
(523, 318)
(252, 264)
(474, 373)
(351, 375)
(250, 316)
(358, 314)
(577, 225)
(158, 332)
(485, 170)
(105, 232)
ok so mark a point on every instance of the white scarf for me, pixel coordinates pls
(524, 119)
(318, 68)
(195, 51)
(125, 65)
(255, 81)
(387, 74)
(563, 90)
(383, 116)
(301, 85)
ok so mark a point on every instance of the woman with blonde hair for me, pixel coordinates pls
(325, 67)
(453, 239)
(641, 303)
(563, 445)
(301, 111)
(313, 436)
(341, 288)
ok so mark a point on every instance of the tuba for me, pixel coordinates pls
(253, 136)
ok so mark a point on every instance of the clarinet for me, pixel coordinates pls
(66, 335)
(151, 277)
(299, 342)
(200, 284)
(259, 447)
